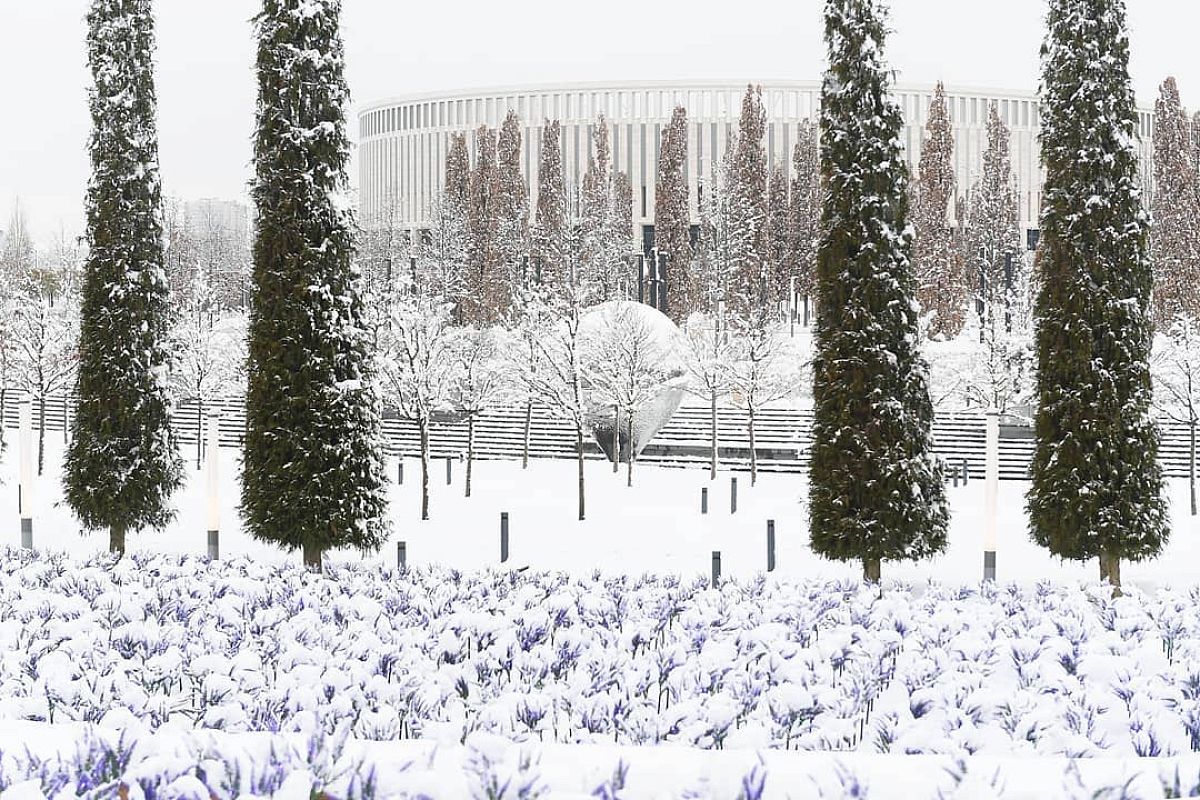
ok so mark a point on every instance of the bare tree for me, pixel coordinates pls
(551, 317)
(417, 365)
(1175, 366)
(45, 339)
(478, 381)
(627, 364)
(763, 371)
(709, 357)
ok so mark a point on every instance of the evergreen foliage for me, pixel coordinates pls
(748, 285)
(1175, 235)
(993, 233)
(672, 222)
(805, 208)
(876, 489)
(513, 215)
(313, 470)
(445, 253)
(941, 283)
(551, 235)
(1096, 483)
(777, 239)
(486, 286)
(122, 464)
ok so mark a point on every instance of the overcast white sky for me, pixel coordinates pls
(206, 83)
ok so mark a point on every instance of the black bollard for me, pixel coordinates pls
(214, 545)
(503, 536)
(399, 471)
(401, 554)
(704, 500)
(448, 470)
(965, 473)
(770, 545)
(733, 495)
(716, 569)
(989, 565)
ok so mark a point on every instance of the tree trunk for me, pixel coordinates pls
(616, 439)
(1114, 573)
(632, 449)
(579, 458)
(41, 431)
(116, 540)
(1103, 566)
(872, 569)
(423, 427)
(1192, 464)
(528, 424)
(753, 451)
(312, 556)
(199, 430)
(470, 450)
(713, 471)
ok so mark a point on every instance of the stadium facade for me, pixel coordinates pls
(403, 142)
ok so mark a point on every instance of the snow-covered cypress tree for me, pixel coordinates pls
(993, 236)
(777, 239)
(805, 209)
(483, 288)
(876, 489)
(1175, 235)
(313, 469)
(671, 220)
(748, 209)
(123, 463)
(551, 234)
(941, 284)
(623, 242)
(513, 234)
(1096, 483)
(445, 255)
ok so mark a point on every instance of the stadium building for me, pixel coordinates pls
(403, 142)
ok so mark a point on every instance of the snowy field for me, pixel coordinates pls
(655, 526)
(800, 684)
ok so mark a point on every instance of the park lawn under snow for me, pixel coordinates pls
(655, 526)
(998, 689)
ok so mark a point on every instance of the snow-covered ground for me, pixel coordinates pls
(1036, 688)
(655, 526)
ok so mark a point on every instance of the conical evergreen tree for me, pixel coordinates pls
(1096, 483)
(805, 209)
(1175, 235)
(313, 470)
(671, 219)
(941, 281)
(551, 234)
(122, 463)
(748, 287)
(513, 234)
(485, 285)
(876, 488)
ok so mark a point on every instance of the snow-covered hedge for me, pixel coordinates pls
(436, 654)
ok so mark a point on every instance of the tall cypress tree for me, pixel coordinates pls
(671, 219)
(1096, 484)
(313, 470)
(805, 209)
(748, 287)
(122, 463)
(941, 282)
(1175, 235)
(484, 285)
(875, 486)
(550, 235)
(513, 234)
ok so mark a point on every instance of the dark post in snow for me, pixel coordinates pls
(965, 473)
(716, 569)
(503, 536)
(400, 470)
(401, 554)
(989, 565)
(25, 485)
(733, 495)
(449, 473)
(770, 545)
(704, 500)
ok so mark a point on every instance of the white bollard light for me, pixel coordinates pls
(991, 488)
(25, 446)
(214, 487)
